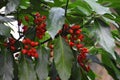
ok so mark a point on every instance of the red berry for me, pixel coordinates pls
(79, 46)
(36, 21)
(51, 46)
(43, 17)
(36, 43)
(40, 36)
(26, 47)
(36, 55)
(66, 26)
(25, 28)
(24, 51)
(29, 54)
(70, 31)
(26, 18)
(77, 32)
(80, 37)
(37, 14)
(84, 50)
(71, 44)
(28, 41)
(12, 48)
(43, 25)
(33, 50)
(75, 27)
(32, 44)
(87, 68)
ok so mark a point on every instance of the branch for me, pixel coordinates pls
(66, 8)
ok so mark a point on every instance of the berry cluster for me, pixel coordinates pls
(10, 44)
(29, 48)
(82, 59)
(40, 25)
(74, 37)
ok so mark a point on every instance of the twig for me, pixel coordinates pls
(66, 8)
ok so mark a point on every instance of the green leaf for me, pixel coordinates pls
(6, 66)
(24, 4)
(55, 21)
(80, 7)
(91, 75)
(4, 30)
(115, 34)
(99, 9)
(110, 3)
(110, 66)
(78, 73)
(111, 21)
(26, 69)
(105, 38)
(11, 6)
(63, 58)
(118, 58)
(42, 64)
(58, 3)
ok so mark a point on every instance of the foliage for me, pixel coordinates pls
(58, 39)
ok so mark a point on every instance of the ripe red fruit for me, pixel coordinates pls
(26, 41)
(39, 19)
(75, 27)
(36, 55)
(40, 36)
(80, 37)
(87, 68)
(26, 18)
(66, 26)
(78, 32)
(79, 46)
(70, 31)
(29, 54)
(71, 44)
(43, 17)
(32, 44)
(36, 43)
(26, 47)
(12, 48)
(51, 46)
(24, 51)
(37, 14)
(25, 28)
(84, 50)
